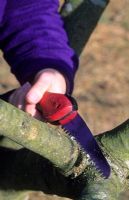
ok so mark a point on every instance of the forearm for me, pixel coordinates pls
(32, 37)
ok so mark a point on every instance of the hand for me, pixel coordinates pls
(26, 97)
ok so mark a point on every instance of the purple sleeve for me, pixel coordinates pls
(32, 37)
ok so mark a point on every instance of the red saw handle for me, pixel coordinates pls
(58, 108)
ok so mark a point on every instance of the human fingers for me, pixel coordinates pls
(41, 85)
(46, 80)
(32, 110)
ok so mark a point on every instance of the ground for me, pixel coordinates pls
(102, 81)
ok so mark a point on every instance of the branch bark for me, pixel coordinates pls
(22, 169)
(44, 139)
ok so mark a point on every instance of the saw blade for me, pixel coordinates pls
(62, 109)
(79, 130)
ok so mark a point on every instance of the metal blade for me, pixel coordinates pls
(79, 130)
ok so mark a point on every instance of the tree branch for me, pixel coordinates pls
(81, 18)
(24, 167)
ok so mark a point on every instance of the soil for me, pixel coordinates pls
(102, 81)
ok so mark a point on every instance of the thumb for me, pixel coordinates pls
(37, 91)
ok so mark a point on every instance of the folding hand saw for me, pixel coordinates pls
(62, 109)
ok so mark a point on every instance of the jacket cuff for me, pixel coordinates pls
(27, 70)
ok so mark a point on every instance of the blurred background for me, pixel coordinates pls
(102, 81)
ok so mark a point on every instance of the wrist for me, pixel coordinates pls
(28, 69)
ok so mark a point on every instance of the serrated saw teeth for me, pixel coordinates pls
(62, 109)
(79, 130)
